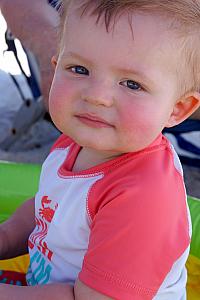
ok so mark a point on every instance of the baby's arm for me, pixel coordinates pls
(51, 292)
(15, 231)
(59, 291)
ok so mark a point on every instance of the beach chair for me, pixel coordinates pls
(32, 107)
(185, 138)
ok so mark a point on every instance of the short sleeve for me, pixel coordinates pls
(136, 237)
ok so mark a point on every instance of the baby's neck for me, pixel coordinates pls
(88, 158)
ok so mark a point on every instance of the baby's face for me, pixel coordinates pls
(115, 91)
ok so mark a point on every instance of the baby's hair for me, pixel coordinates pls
(185, 20)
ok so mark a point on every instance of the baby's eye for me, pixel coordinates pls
(79, 70)
(133, 85)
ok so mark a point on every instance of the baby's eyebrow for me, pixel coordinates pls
(76, 56)
(140, 75)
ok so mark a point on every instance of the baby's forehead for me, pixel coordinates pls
(131, 25)
(110, 20)
(110, 11)
(139, 40)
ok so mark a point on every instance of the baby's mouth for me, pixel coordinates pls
(92, 120)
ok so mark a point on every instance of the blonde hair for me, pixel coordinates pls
(185, 16)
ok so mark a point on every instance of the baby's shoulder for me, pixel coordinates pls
(153, 178)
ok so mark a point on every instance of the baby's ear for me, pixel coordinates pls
(54, 61)
(184, 108)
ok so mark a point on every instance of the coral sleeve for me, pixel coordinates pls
(137, 233)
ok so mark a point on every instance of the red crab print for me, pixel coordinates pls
(46, 212)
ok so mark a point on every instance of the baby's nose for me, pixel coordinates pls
(97, 94)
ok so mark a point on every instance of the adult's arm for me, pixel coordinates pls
(15, 231)
(35, 24)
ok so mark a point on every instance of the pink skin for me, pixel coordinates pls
(97, 108)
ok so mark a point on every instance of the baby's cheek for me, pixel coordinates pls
(138, 127)
(135, 119)
(59, 95)
(54, 104)
(57, 105)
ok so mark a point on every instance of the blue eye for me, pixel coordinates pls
(133, 85)
(79, 70)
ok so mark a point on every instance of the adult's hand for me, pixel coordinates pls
(35, 24)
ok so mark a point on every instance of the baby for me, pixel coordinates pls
(110, 219)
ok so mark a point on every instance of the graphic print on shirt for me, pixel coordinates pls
(41, 271)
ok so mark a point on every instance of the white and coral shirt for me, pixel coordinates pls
(121, 227)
